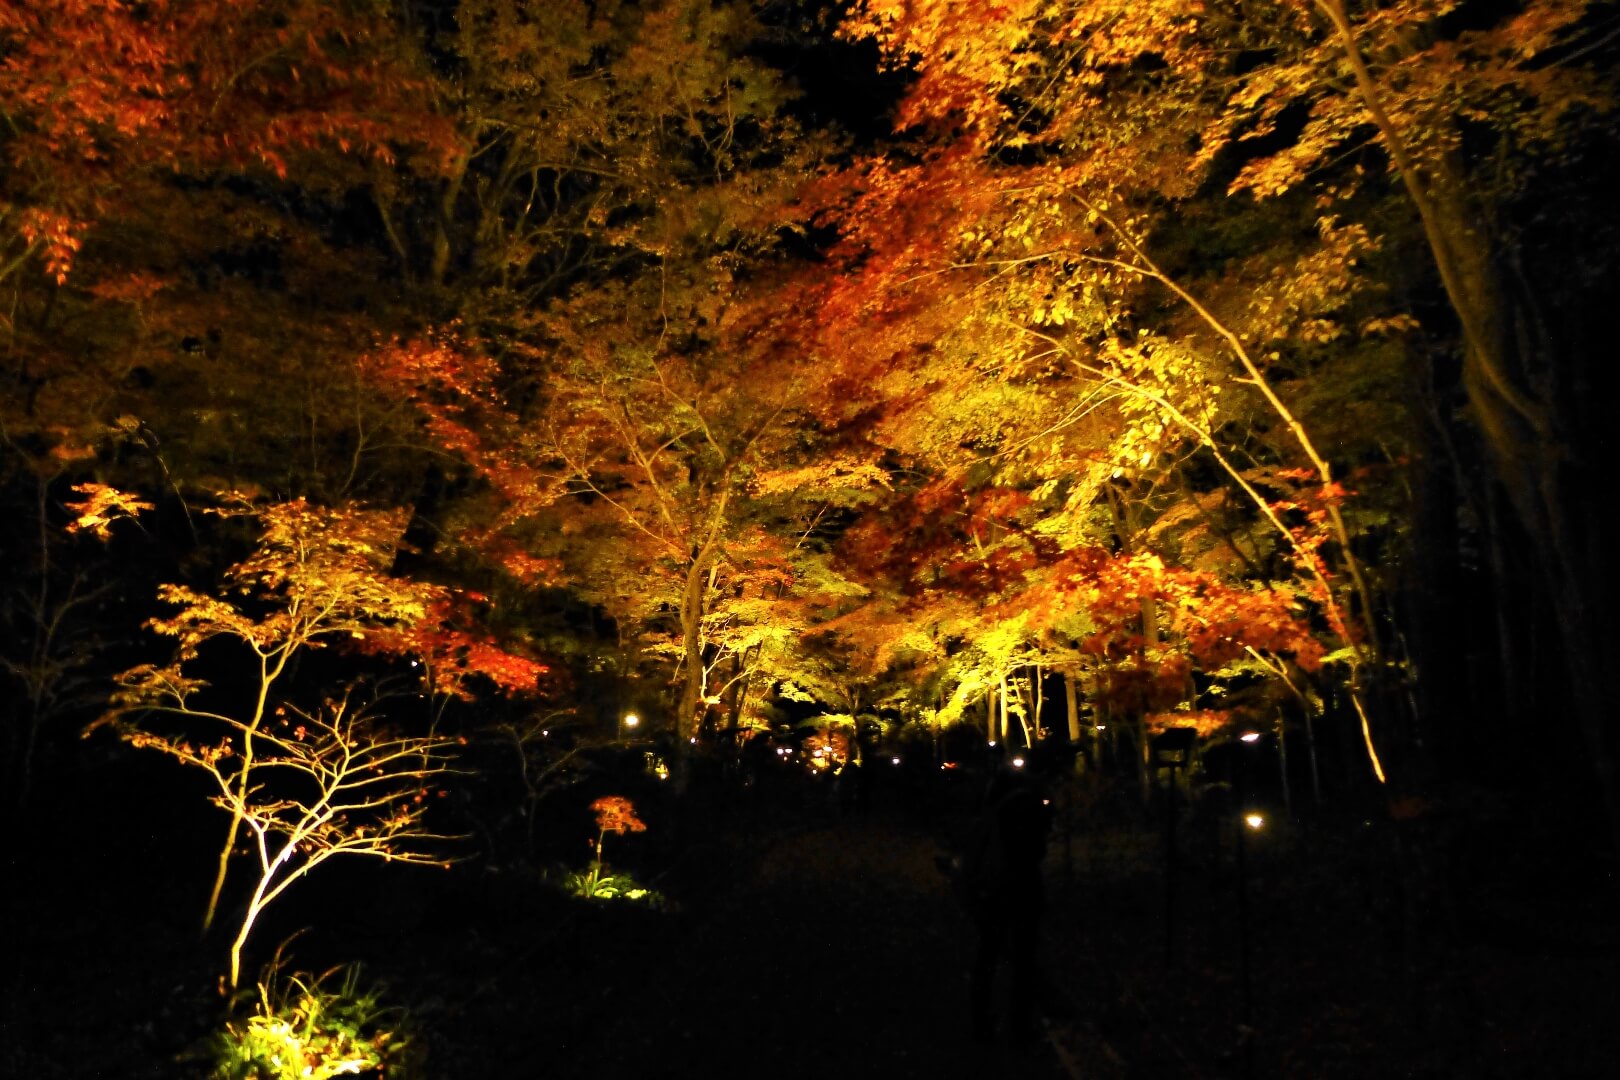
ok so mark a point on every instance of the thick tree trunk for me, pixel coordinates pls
(1543, 479)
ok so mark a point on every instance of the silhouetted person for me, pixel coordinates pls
(1001, 879)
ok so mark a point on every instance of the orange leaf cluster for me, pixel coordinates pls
(615, 814)
(102, 506)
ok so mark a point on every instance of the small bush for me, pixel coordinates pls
(307, 1027)
(593, 885)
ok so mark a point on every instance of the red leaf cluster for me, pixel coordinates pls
(616, 814)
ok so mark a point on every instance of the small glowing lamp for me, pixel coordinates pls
(1102, 727)
(1250, 736)
(894, 761)
(1254, 821)
(631, 719)
(1018, 763)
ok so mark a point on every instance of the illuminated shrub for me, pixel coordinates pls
(614, 814)
(315, 1027)
(592, 885)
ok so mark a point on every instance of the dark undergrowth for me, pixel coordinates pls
(808, 939)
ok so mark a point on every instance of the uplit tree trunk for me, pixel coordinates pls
(1071, 702)
(1040, 698)
(688, 715)
(694, 601)
(318, 573)
(367, 798)
(270, 669)
(1002, 695)
(737, 695)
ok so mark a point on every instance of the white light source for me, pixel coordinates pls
(894, 760)
(1250, 736)
(1254, 821)
(1018, 763)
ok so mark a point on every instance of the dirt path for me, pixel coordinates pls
(839, 954)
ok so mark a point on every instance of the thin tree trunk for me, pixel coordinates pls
(1003, 695)
(692, 597)
(269, 672)
(1040, 699)
(1025, 709)
(1071, 702)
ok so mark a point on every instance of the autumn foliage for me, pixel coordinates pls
(615, 814)
(1114, 362)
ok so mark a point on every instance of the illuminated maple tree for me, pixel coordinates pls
(608, 381)
(614, 814)
(317, 576)
(308, 787)
(1063, 148)
(1113, 359)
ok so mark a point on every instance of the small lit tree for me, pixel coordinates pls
(320, 783)
(337, 782)
(317, 574)
(614, 814)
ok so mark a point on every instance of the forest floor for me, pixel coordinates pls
(804, 941)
